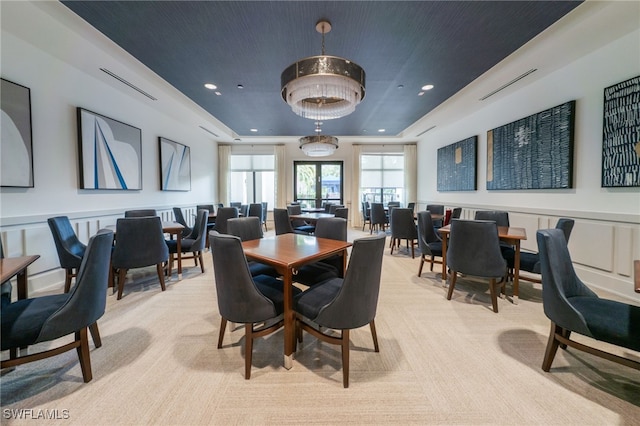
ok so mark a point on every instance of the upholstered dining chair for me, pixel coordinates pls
(140, 213)
(235, 204)
(456, 213)
(334, 207)
(344, 304)
(69, 248)
(177, 213)
(574, 308)
(474, 249)
(412, 206)
(334, 228)
(403, 227)
(342, 212)
(530, 262)
(379, 218)
(5, 288)
(210, 209)
(436, 209)
(244, 210)
(429, 243)
(249, 228)
(139, 243)
(256, 302)
(366, 214)
(265, 205)
(194, 244)
(255, 209)
(223, 215)
(299, 225)
(46, 318)
(501, 218)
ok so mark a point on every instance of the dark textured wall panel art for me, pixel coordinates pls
(457, 166)
(621, 134)
(535, 152)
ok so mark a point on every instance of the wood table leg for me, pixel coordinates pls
(179, 247)
(445, 237)
(21, 279)
(289, 320)
(516, 272)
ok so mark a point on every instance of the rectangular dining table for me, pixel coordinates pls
(17, 267)
(286, 253)
(509, 234)
(310, 218)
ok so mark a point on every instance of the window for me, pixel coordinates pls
(382, 177)
(317, 182)
(252, 179)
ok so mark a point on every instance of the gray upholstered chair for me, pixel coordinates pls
(474, 249)
(345, 304)
(530, 262)
(436, 209)
(265, 205)
(342, 212)
(456, 213)
(210, 223)
(139, 243)
(255, 209)
(379, 218)
(194, 244)
(281, 221)
(412, 206)
(177, 213)
(70, 249)
(429, 243)
(235, 204)
(403, 228)
(299, 225)
(5, 288)
(41, 319)
(140, 213)
(501, 218)
(573, 308)
(224, 214)
(334, 228)
(366, 214)
(249, 228)
(334, 207)
(244, 210)
(252, 301)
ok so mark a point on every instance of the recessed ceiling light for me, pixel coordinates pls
(240, 86)
(420, 93)
(253, 130)
(218, 93)
(400, 86)
(427, 87)
(381, 130)
(210, 86)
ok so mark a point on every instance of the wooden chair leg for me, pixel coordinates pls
(345, 358)
(122, 273)
(248, 350)
(223, 326)
(421, 265)
(372, 325)
(552, 346)
(83, 354)
(454, 276)
(201, 261)
(432, 259)
(95, 335)
(160, 270)
(67, 280)
(494, 297)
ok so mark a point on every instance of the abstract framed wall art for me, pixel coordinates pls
(457, 166)
(16, 144)
(175, 165)
(110, 153)
(535, 152)
(621, 135)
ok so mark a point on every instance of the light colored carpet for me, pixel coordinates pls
(440, 362)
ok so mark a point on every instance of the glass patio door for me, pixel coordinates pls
(318, 182)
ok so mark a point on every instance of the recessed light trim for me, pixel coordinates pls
(427, 87)
(253, 130)
(210, 86)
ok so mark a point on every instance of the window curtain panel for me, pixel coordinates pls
(281, 175)
(356, 210)
(410, 173)
(224, 158)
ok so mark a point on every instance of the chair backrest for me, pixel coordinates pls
(566, 225)
(501, 218)
(334, 228)
(70, 249)
(139, 242)
(560, 281)
(327, 206)
(199, 233)
(281, 221)
(255, 209)
(474, 248)
(236, 204)
(412, 206)
(402, 224)
(208, 207)
(426, 233)
(246, 228)
(394, 204)
(334, 207)
(295, 209)
(244, 210)
(378, 215)
(187, 231)
(456, 213)
(140, 213)
(87, 299)
(366, 210)
(435, 208)
(239, 300)
(265, 204)
(356, 303)
(342, 212)
(224, 214)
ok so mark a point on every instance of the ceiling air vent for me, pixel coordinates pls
(425, 131)
(504, 86)
(133, 86)
(209, 131)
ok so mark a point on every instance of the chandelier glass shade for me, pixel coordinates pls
(318, 145)
(323, 87)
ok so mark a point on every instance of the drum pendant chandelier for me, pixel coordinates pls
(318, 145)
(323, 87)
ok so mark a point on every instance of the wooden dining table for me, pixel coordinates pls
(17, 267)
(286, 253)
(310, 218)
(509, 234)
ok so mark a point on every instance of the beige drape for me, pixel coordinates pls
(281, 176)
(356, 216)
(410, 173)
(224, 157)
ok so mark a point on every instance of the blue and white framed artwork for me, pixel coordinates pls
(110, 153)
(457, 166)
(16, 145)
(175, 165)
